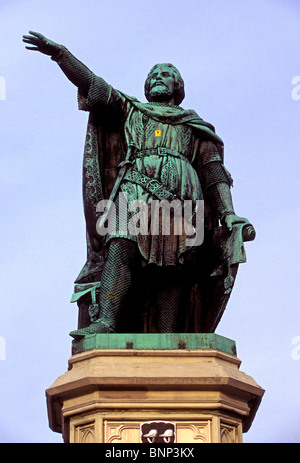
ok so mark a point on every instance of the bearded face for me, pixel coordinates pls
(164, 84)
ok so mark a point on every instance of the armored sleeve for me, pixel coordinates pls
(215, 179)
(211, 167)
(93, 91)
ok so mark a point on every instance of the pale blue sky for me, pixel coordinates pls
(238, 60)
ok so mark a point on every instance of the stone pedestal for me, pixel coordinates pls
(117, 382)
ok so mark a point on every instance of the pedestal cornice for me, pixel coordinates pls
(141, 383)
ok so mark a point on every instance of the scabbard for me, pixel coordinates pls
(124, 165)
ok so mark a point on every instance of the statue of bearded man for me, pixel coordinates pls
(172, 155)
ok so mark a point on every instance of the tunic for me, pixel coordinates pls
(175, 173)
(152, 126)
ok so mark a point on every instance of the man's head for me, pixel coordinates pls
(164, 83)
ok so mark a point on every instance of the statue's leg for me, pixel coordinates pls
(117, 278)
(169, 298)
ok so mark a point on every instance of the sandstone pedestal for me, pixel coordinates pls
(117, 382)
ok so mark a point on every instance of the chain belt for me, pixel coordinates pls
(152, 185)
(160, 151)
(155, 188)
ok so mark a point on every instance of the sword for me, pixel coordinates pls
(123, 169)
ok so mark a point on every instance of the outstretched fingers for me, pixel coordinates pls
(38, 42)
(35, 38)
(31, 38)
(32, 48)
(31, 42)
(37, 34)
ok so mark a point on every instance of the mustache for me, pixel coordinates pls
(158, 82)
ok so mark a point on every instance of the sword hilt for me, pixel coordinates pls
(130, 151)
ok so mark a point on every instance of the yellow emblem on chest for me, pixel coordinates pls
(157, 133)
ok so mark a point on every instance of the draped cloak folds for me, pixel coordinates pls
(209, 270)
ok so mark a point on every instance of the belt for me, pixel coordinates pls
(152, 185)
(155, 188)
(160, 151)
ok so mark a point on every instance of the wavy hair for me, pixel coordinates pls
(179, 93)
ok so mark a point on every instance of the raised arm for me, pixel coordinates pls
(97, 91)
(76, 71)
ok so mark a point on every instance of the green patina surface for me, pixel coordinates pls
(174, 158)
(161, 341)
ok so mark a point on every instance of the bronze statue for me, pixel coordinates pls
(154, 152)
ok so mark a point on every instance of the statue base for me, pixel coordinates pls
(121, 388)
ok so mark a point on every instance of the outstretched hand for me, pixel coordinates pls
(40, 43)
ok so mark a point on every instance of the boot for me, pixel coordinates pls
(97, 327)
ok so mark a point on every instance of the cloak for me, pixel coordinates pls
(209, 271)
